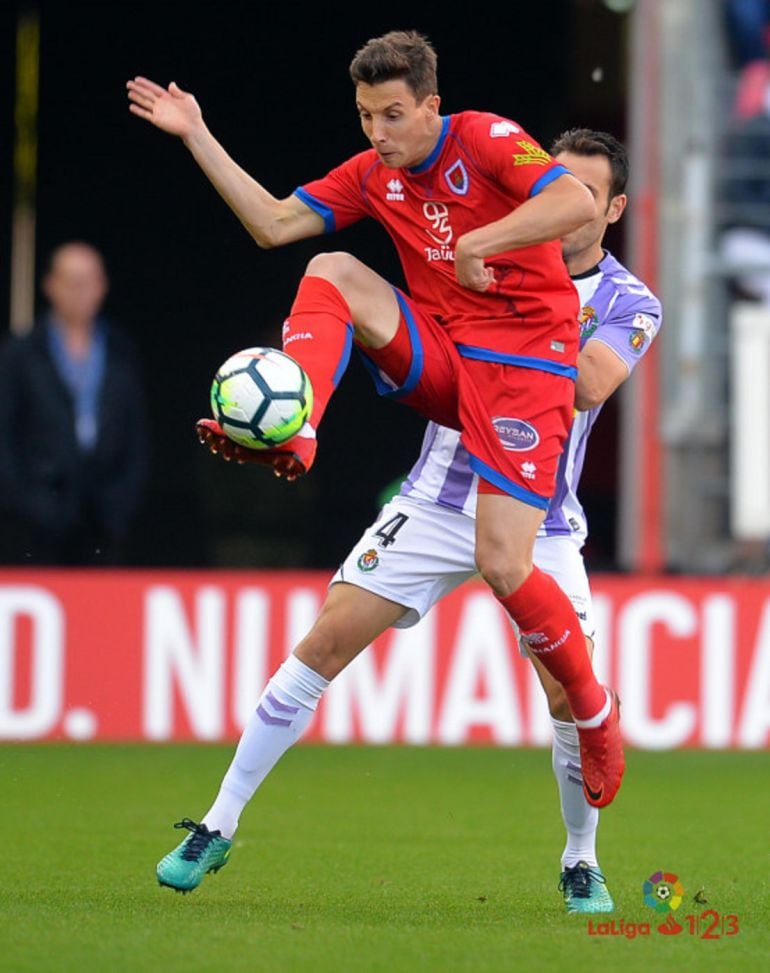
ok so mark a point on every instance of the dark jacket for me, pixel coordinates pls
(45, 478)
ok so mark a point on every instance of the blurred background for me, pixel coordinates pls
(677, 475)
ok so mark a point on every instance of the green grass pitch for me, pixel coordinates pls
(369, 859)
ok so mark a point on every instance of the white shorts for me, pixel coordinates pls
(416, 552)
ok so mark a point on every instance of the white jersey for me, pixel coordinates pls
(616, 309)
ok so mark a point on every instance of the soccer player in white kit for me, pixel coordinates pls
(423, 542)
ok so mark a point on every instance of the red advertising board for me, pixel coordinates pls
(129, 655)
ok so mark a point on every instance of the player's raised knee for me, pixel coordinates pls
(339, 268)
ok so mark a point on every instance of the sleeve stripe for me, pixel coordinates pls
(317, 206)
(547, 178)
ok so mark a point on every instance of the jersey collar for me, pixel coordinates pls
(435, 153)
(592, 270)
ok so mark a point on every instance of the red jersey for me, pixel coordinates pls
(482, 167)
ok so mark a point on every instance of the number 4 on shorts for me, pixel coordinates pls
(390, 528)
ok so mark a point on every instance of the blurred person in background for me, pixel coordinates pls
(748, 36)
(745, 239)
(748, 30)
(73, 445)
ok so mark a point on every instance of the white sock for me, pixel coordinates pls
(284, 710)
(580, 819)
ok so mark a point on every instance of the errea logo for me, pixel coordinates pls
(395, 191)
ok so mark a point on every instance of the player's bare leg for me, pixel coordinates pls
(349, 620)
(582, 880)
(505, 537)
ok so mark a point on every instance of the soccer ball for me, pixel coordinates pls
(663, 892)
(261, 397)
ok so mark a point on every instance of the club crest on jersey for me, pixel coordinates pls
(532, 155)
(457, 178)
(395, 191)
(368, 561)
(588, 321)
(515, 435)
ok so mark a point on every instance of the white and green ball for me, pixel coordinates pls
(261, 397)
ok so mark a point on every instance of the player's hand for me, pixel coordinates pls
(284, 464)
(473, 273)
(173, 110)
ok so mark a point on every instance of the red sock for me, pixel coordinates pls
(319, 335)
(551, 629)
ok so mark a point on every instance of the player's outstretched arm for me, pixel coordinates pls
(173, 110)
(270, 221)
(563, 206)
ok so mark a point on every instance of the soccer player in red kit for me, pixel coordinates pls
(486, 342)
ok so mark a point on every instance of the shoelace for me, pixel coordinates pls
(200, 840)
(577, 880)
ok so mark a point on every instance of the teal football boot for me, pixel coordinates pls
(585, 889)
(201, 852)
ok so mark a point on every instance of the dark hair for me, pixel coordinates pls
(398, 54)
(586, 141)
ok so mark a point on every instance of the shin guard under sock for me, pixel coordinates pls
(319, 335)
(551, 630)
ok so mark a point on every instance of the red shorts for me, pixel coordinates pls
(514, 417)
